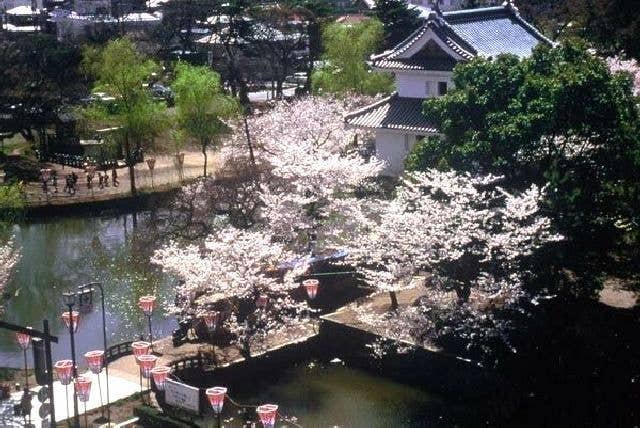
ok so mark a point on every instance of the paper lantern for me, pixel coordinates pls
(262, 301)
(83, 388)
(64, 371)
(311, 286)
(140, 348)
(211, 319)
(95, 359)
(73, 317)
(147, 362)
(23, 340)
(267, 414)
(216, 398)
(146, 303)
(160, 375)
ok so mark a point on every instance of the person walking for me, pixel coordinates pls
(114, 177)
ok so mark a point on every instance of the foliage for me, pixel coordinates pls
(121, 72)
(559, 116)
(398, 19)
(611, 25)
(201, 105)
(37, 75)
(12, 202)
(346, 47)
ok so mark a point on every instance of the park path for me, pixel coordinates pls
(165, 177)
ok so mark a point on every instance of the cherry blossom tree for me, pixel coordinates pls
(468, 238)
(310, 161)
(9, 257)
(236, 272)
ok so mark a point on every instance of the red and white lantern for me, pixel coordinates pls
(147, 363)
(211, 319)
(95, 360)
(311, 286)
(160, 376)
(146, 303)
(140, 348)
(83, 388)
(262, 301)
(73, 317)
(267, 414)
(23, 340)
(216, 398)
(64, 371)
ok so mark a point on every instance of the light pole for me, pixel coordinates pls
(64, 370)
(83, 390)
(146, 303)
(71, 318)
(216, 399)
(140, 349)
(104, 338)
(95, 361)
(23, 341)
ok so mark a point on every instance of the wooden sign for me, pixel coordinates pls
(181, 395)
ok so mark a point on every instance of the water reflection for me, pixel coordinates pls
(62, 253)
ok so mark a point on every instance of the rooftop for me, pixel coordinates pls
(467, 33)
(394, 112)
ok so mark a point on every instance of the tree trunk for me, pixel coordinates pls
(246, 131)
(204, 153)
(394, 300)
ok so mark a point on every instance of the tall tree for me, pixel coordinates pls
(37, 75)
(346, 48)
(122, 72)
(202, 106)
(559, 116)
(399, 21)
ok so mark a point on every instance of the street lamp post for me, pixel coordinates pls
(23, 341)
(216, 399)
(104, 338)
(71, 319)
(83, 390)
(267, 414)
(146, 303)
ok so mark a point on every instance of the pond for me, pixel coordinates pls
(334, 395)
(60, 253)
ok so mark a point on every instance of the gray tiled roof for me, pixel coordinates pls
(394, 112)
(495, 30)
(485, 31)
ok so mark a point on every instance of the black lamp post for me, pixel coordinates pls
(72, 321)
(81, 289)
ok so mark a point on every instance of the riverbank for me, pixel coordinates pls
(165, 177)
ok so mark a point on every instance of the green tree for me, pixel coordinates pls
(398, 20)
(121, 72)
(558, 117)
(202, 106)
(37, 75)
(346, 47)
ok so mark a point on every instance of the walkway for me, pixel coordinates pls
(165, 177)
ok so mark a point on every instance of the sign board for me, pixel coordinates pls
(182, 395)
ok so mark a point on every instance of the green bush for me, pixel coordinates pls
(152, 417)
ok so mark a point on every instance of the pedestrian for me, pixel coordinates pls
(114, 176)
(89, 178)
(68, 185)
(100, 180)
(54, 175)
(74, 178)
(106, 179)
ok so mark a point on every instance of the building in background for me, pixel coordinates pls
(423, 67)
